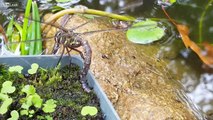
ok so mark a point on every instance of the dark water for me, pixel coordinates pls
(197, 81)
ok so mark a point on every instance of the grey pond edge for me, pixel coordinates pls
(46, 61)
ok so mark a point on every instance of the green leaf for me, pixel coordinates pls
(15, 39)
(7, 87)
(17, 68)
(3, 96)
(5, 105)
(24, 50)
(170, 1)
(10, 29)
(38, 43)
(49, 117)
(29, 90)
(14, 115)
(32, 111)
(145, 32)
(49, 106)
(34, 68)
(37, 101)
(89, 110)
(26, 105)
(24, 112)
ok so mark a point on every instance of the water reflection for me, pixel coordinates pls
(202, 93)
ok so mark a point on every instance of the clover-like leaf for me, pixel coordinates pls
(145, 32)
(34, 68)
(49, 117)
(17, 68)
(28, 89)
(14, 115)
(89, 110)
(32, 112)
(24, 112)
(6, 103)
(49, 106)
(7, 87)
(37, 101)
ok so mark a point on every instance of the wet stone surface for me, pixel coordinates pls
(135, 80)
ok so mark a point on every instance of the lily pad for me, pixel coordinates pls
(17, 68)
(34, 68)
(145, 32)
(7, 87)
(89, 110)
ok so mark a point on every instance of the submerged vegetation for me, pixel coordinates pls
(45, 94)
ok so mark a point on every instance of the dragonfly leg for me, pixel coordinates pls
(59, 60)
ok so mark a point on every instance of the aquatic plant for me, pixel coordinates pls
(29, 31)
(33, 99)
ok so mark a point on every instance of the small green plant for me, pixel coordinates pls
(30, 30)
(89, 110)
(49, 106)
(29, 104)
(6, 89)
(33, 99)
(17, 68)
(14, 115)
(34, 68)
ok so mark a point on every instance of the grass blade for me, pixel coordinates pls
(38, 44)
(32, 31)
(25, 27)
(10, 29)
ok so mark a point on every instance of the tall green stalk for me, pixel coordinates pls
(24, 49)
(38, 44)
(33, 31)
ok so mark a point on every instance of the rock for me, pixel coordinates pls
(135, 80)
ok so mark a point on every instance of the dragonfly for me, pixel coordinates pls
(70, 40)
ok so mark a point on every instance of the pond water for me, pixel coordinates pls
(184, 63)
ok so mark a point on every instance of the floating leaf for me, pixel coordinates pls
(145, 32)
(89, 110)
(7, 87)
(14, 115)
(17, 68)
(49, 106)
(34, 68)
